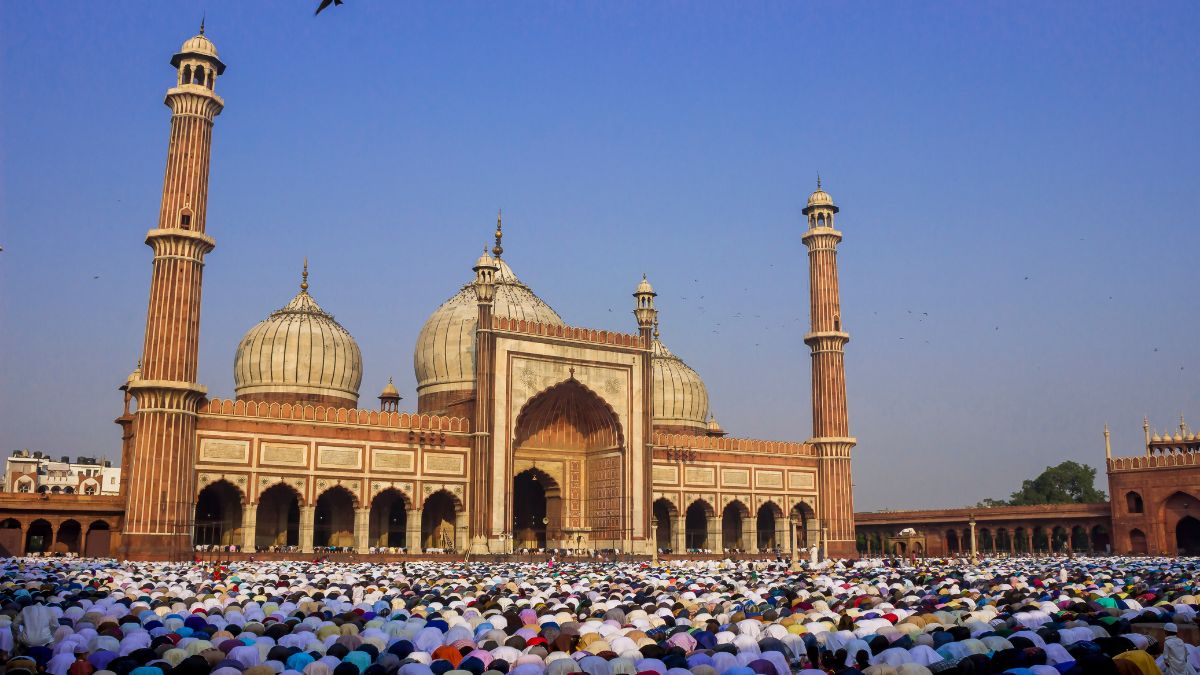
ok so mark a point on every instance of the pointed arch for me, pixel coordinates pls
(218, 514)
(568, 415)
(277, 519)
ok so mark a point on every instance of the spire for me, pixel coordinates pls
(304, 277)
(497, 250)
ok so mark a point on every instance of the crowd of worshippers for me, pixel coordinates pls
(1043, 616)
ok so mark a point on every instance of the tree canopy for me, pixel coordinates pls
(1067, 483)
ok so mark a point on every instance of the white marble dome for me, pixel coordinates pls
(680, 397)
(444, 359)
(299, 352)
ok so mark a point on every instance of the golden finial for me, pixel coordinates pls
(498, 249)
(656, 328)
(304, 277)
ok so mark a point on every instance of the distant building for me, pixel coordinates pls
(38, 472)
(1149, 512)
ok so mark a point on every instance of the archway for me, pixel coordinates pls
(68, 537)
(1099, 539)
(1177, 507)
(987, 542)
(952, 541)
(389, 520)
(767, 527)
(99, 538)
(696, 526)
(1137, 542)
(277, 520)
(1187, 536)
(1004, 540)
(10, 537)
(806, 534)
(1133, 503)
(536, 502)
(1079, 539)
(1060, 539)
(1041, 540)
(438, 519)
(733, 526)
(665, 514)
(218, 515)
(569, 422)
(1022, 540)
(38, 536)
(333, 520)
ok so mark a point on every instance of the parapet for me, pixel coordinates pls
(331, 415)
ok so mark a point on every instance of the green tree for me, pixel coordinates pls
(1067, 483)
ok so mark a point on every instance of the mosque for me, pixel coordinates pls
(528, 433)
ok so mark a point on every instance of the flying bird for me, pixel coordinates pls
(326, 3)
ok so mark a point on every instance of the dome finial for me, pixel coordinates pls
(498, 249)
(818, 180)
(202, 18)
(656, 327)
(304, 277)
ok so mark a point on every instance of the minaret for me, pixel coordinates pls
(159, 502)
(478, 527)
(647, 319)
(831, 428)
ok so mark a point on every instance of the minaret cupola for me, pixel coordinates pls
(197, 62)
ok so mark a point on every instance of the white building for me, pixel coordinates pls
(27, 471)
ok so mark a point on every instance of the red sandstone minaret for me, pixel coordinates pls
(831, 428)
(482, 442)
(161, 490)
(647, 319)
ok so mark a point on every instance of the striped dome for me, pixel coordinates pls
(445, 355)
(299, 353)
(680, 397)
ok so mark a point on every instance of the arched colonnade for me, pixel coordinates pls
(992, 538)
(337, 520)
(701, 528)
(82, 535)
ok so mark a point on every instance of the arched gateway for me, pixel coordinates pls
(567, 468)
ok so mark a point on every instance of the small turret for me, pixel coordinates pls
(389, 398)
(645, 311)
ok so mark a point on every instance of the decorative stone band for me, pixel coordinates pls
(396, 420)
(180, 244)
(500, 323)
(826, 341)
(194, 101)
(833, 448)
(167, 396)
(1157, 461)
(822, 238)
(727, 444)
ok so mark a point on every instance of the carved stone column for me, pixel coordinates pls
(362, 524)
(308, 515)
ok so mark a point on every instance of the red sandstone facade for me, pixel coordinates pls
(529, 433)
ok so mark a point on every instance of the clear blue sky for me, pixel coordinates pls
(1025, 173)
